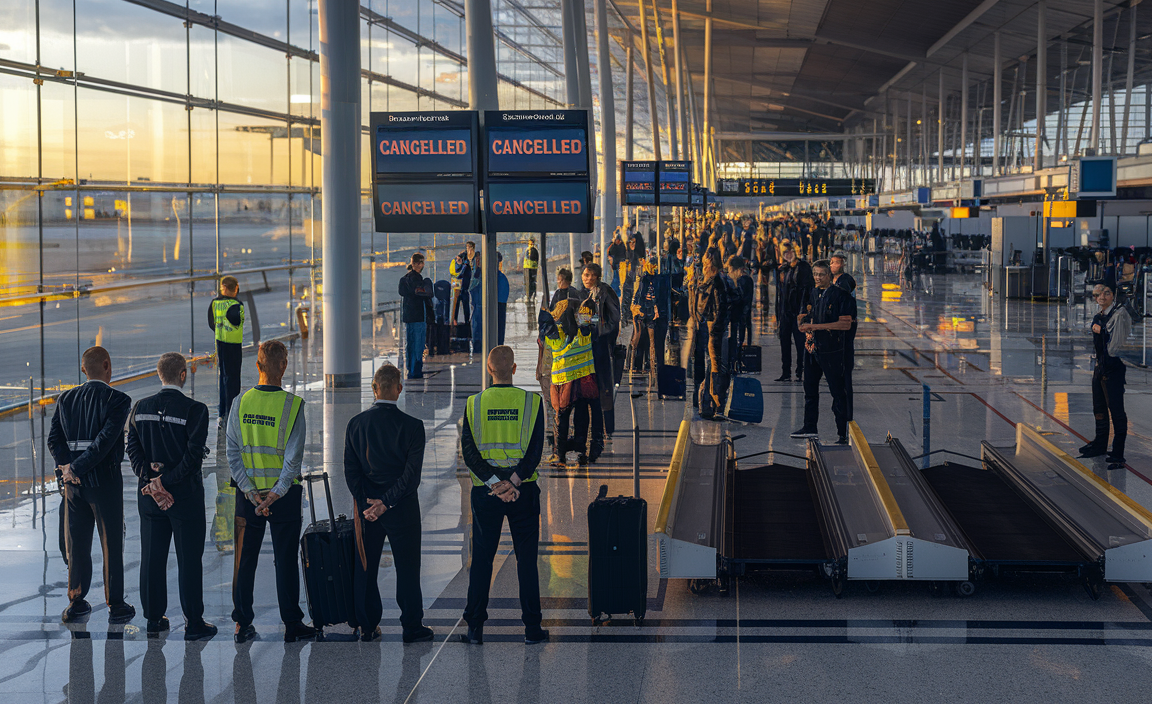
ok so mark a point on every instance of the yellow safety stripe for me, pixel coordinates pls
(879, 483)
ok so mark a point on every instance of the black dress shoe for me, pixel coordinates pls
(1090, 447)
(1092, 451)
(77, 610)
(416, 635)
(375, 635)
(581, 458)
(842, 440)
(297, 631)
(1117, 464)
(245, 633)
(121, 613)
(1113, 458)
(594, 455)
(784, 377)
(156, 627)
(533, 637)
(804, 433)
(474, 636)
(200, 631)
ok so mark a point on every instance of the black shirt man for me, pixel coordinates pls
(87, 443)
(383, 458)
(793, 287)
(167, 433)
(824, 324)
(845, 281)
(1110, 328)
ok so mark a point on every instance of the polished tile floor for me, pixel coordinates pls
(984, 365)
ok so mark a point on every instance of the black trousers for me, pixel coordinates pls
(604, 360)
(585, 410)
(285, 521)
(488, 513)
(831, 366)
(228, 359)
(849, 365)
(790, 336)
(185, 523)
(644, 338)
(460, 298)
(100, 508)
(1108, 401)
(400, 525)
(531, 283)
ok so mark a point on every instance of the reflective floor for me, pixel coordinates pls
(986, 366)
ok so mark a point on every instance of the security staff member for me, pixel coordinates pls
(167, 433)
(226, 318)
(824, 323)
(501, 441)
(266, 434)
(383, 457)
(1110, 329)
(844, 280)
(531, 265)
(87, 442)
(793, 287)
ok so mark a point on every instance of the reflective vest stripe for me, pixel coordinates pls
(501, 454)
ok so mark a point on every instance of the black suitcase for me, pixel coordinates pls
(750, 359)
(443, 338)
(619, 360)
(617, 557)
(671, 381)
(745, 402)
(327, 551)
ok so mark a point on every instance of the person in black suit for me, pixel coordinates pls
(383, 457)
(87, 443)
(167, 434)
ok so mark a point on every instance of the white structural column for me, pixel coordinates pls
(1041, 81)
(673, 141)
(1097, 71)
(340, 136)
(940, 132)
(681, 119)
(653, 116)
(997, 98)
(607, 131)
(1128, 79)
(483, 95)
(629, 102)
(571, 83)
(963, 112)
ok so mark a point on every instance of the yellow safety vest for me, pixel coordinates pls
(571, 358)
(266, 420)
(530, 263)
(226, 331)
(502, 419)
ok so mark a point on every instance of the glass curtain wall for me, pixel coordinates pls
(163, 144)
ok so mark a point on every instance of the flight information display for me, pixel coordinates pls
(425, 170)
(638, 183)
(537, 171)
(799, 187)
(675, 182)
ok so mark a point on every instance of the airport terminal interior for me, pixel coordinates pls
(982, 170)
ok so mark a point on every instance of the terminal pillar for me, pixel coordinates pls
(340, 137)
(607, 133)
(1097, 70)
(996, 99)
(1041, 82)
(482, 95)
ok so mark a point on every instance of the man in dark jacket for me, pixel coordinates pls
(844, 280)
(87, 443)
(826, 320)
(741, 326)
(383, 457)
(794, 283)
(603, 349)
(617, 254)
(416, 291)
(167, 434)
(710, 320)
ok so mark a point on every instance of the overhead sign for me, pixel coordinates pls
(675, 182)
(537, 171)
(638, 183)
(802, 187)
(425, 171)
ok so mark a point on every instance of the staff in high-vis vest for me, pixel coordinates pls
(501, 441)
(531, 265)
(226, 318)
(266, 434)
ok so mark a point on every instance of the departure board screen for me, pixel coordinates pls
(426, 171)
(537, 171)
(638, 182)
(675, 182)
(802, 187)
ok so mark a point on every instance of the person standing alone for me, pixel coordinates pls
(1110, 329)
(531, 265)
(226, 318)
(825, 322)
(416, 292)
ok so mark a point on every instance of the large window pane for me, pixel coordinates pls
(56, 34)
(19, 244)
(58, 130)
(252, 75)
(253, 230)
(253, 150)
(18, 30)
(202, 69)
(126, 139)
(17, 126)
(267, 17)
(203, 146)
(123, 42)
(133, 234)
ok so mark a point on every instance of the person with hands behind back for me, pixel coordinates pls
(501, 440)
(167, 435)
(383, 458)
(266, 434)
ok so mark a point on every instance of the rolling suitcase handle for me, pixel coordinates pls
(322, 476)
